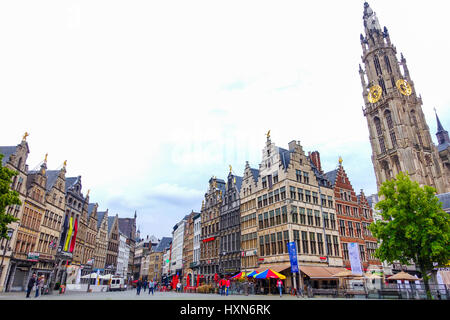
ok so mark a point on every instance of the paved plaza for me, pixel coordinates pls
(131, 295)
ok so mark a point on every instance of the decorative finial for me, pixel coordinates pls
(45, 159)
(65, 163)
(268, 135)
(340, 160)
(89, 190)
(231, 168)
(25, 136)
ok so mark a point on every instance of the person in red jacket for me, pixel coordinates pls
(228, 284)
(222, 286)
(280, 286)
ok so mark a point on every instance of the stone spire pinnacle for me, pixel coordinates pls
(370, 19)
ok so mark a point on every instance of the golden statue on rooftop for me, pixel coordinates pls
(268, 135)
(25, 136)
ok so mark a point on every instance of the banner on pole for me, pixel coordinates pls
(355, 261)
(292, 249)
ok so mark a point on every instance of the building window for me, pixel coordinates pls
(264, 182)
(302, 215)
(358, 229)
(317, 217)
(312, 242)
(265, 200)
(329, 245)
(308, 196)
(362, 253)
(274, 244)
(266, 219)
(275, 177)
(300, 194)
(270, 197)
(382, 146)
(276, 194)
(326, 221)
(259, 202)
(345, 250)
(298, 174)
(336, 245)
(310, 217)
(280, 242)
(294, 214)
(377, 122)
(305, 242)
(350, 228)
(296, 239)
(277, 216)
(323, 200)
(286, 240)
(260, 220)
(272, 218)
(293, 193)
(315, 198)
(267, 242)
(284, 214)
(261, 246)
(330, 201)
(320, 243)
(306, 177)
(283, 193)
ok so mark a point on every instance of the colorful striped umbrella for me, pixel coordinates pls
(252, 274)
(269, 274)
(240, 275)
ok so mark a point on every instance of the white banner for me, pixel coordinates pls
(355, 262)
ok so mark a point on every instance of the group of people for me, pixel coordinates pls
(224, 286)
(144, 284)
(35, 283)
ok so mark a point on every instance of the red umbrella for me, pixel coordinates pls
(188, 280)
(198, 280)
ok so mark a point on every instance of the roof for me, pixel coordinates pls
(238, 182)
(443, 146)
(163, 244)
(7, 151)
(255, 173)
(444, 198)
(285, 157)
(110, 222)
(331, 176)
(52, 176)
(127, 226)
(100, 216)
(91, 207)
(70, 181)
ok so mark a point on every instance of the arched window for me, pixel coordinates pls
(376, 62)
(388, 117)
(377, 122)
(19, 164)
(388, 64)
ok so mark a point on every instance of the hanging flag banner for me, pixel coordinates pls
(69, 234)
(355, 261)
(292, 249)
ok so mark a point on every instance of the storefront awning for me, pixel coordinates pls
(275, 267)
(320, 272)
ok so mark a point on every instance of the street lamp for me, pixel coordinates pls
(10, 234)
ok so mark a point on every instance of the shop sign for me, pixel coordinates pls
(208, 239)
(33, 256)
(250, 253)
(45, 257)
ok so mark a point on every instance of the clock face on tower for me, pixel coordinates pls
(374, 94)
(404, 87)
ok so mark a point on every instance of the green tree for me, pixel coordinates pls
(414, 226)
(7, 197)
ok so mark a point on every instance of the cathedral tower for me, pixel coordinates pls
(399, 135)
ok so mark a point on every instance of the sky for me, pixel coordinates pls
(146, 100)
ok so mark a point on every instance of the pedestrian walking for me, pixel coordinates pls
(39, 284)
(138, 286)
(227, 283)
(280, 286)
(151, 286)
(179, 286)
(31, 284)
(145, 285)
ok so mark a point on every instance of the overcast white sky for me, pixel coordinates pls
(148, 99)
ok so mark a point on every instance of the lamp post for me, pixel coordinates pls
(91, 264)
(10, 234)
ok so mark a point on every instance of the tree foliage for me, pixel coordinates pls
(7, 197)
(414, 228)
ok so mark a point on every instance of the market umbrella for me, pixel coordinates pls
(198, 280)
(346, 274)
(240, 275)
(252, 274)
(372, 276)
(403, 276)
(269, 274)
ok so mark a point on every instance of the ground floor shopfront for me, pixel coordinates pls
(20, 271)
